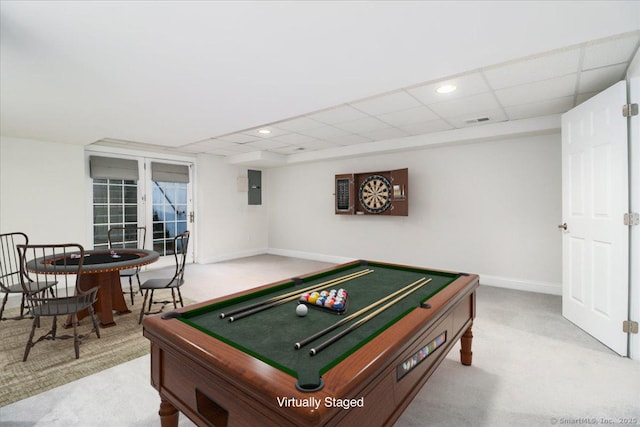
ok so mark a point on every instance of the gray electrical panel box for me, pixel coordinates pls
(255, 187)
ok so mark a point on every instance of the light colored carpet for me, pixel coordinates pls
(52, 363)
(531, 367)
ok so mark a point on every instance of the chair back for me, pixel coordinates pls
(10, 261)
(127, 237)
(180, 246)
(62, 263)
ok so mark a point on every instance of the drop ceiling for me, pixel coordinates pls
(205, 77)
(542, 85)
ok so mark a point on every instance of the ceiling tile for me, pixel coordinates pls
(349, 139)
(396, 101)
(294, 139)
(320, 145)
(407, 117)
(341, 114)
(324, 132)
(543, 108)
(298, 124)
(466, 85)
(538, 91)
(428, 127)
(362, 125)
(531, 87)
(601, 78)
(465, 106)
(496, 115)
(541, 67)
(609, 52)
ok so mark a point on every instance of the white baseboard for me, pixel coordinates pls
(485, 279)
(521, 285)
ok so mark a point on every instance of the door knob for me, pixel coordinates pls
(563, 226)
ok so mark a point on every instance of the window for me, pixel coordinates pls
(115, 196)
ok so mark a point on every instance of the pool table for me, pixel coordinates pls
(247, 371)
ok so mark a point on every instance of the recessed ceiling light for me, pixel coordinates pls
(264, 131)
(446, 89)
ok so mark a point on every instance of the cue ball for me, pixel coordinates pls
(301, 310)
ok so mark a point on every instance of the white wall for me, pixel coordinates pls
(490, 208)
(43, 193)
(42, 190)
(226, 226)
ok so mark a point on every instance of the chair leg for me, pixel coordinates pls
(144, 301)
(54, 326)
(23, 305)
(131, 289)
(94, 320)
(30, 344)
(180, 296)
(76, 340)
(4, 302)
(139, 284)
(173, 298)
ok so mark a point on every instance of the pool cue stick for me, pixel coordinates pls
(317, 286)
(360, 322)
(350, 317)
(290, 296)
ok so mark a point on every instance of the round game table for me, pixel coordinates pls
(101, 268)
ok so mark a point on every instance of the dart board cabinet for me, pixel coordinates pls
(373, 193)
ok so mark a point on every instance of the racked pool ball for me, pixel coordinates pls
(301, 310)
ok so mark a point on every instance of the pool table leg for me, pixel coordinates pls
(465, 351)
(168, 414)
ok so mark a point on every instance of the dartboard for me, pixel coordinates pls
(375, 194)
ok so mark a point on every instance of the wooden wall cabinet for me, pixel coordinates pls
(373, 193)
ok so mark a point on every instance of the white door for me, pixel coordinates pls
(595, 196)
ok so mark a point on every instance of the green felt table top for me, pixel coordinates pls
(270, 335)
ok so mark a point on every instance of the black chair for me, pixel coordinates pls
(180, 245)
(128, 237)
(64, 262)
(10, 282)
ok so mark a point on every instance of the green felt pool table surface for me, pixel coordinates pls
(270, 335)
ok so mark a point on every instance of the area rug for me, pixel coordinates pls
(53, 363)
